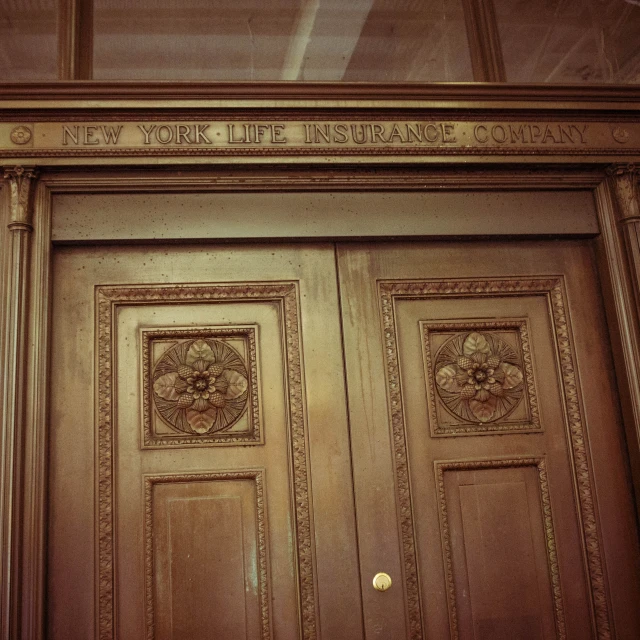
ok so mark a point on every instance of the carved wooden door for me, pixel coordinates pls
(200, 471)
(200, 483)
(481, 389)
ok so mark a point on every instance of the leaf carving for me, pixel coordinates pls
(447, 378)
(512, 375)
(201, 421)
(165, 386)
(237, 384)
(200, 350)
(475, 343)
(483, 410)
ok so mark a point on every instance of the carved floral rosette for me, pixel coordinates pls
(200, 386)
(479, 377)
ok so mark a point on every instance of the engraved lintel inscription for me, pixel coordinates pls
(350, 136)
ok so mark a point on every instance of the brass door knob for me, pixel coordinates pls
(381, 581)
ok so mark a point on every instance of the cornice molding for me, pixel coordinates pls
(95, 95)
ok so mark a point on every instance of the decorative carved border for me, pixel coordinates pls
(152, 441)
(552, 555)
(263, 582)
(502, 427)
(554, 290)
(427, 152)
(108, 298)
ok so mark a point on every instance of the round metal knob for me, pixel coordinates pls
(381, 581)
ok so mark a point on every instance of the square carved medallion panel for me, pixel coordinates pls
(479, 377)
(200, 386)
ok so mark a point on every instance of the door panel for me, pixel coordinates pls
(211, 417)
(201, 471)
(487, 375)
(205, 531)
(493, 519)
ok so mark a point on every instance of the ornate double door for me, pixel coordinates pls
(242, 437)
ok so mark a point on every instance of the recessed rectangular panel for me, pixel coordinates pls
(496, 523)
(500, 549)
(320, 215)
(205, 554)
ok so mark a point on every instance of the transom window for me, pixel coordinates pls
(560, 41)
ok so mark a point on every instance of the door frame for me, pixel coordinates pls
(32, 178)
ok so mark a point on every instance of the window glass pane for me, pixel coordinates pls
(570, 40)
(28, 40)
(305, 40)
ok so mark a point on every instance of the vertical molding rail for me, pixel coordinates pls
(75, 40)
(36, 443)
(13, 381)
(618, 207)
(484, 41)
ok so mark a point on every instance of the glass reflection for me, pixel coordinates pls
(28, 40)
(570, 40)
(303, 40)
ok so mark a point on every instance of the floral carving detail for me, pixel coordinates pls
(620, 134)
(200, 386)
(479, 377)
(20, 135)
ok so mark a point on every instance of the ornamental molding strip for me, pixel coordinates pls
(285, 294)
(553, 289)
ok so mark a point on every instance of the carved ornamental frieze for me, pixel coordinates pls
(349, 136)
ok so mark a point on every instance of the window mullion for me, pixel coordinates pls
(484, 41)
(75, 40)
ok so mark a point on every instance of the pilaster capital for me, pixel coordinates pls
(623, 169)
(21, 182)
(623, 179)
